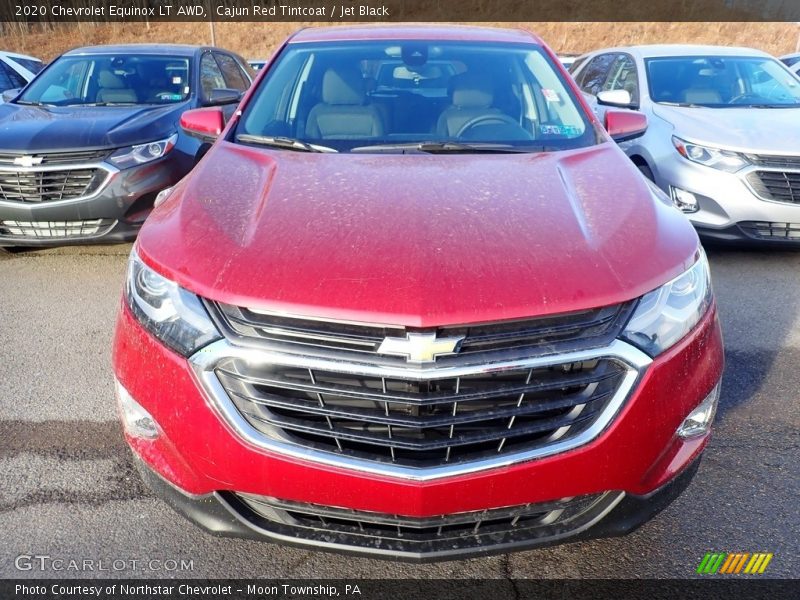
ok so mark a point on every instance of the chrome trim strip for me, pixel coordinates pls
(110, 170)
(205, 361)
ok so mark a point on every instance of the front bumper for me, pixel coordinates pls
(113, 213)
(200, 454)
(223, 515)
(729, 208)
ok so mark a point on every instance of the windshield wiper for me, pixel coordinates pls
(445, 147)
(281, 142)
(99, 104)
(32, 103)
(685, 104)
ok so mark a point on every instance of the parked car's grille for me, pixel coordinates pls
(782, 186)
(559, 333)
(57, 158)
(774, 161)
(444, 533)
(47, 186)
(771, 231)
(55, 229)
(422, 423)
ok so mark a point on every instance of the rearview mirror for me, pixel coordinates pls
(220, 96)
(619, 98)
(625, 125)
(203, 123)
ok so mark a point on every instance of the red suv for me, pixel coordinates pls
(414, 302)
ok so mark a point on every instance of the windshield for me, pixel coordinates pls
(722, 82)
(110, 80)
(391, 94)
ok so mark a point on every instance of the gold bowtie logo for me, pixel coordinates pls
(420, 347)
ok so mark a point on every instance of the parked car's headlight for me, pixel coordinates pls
(171, 313)
(142, 153)
(724, 160)
(668, 313)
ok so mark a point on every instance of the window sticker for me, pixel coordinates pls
(550, 95)
(563, 130)
(177, 80)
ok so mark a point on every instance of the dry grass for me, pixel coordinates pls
(259, 39)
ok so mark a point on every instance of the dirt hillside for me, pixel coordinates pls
(254, 40)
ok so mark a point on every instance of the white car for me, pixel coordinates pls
(16, 70)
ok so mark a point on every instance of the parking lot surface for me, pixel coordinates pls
(70, 492)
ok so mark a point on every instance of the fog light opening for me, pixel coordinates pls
(699, 420)
(683, 200)
(136, 420)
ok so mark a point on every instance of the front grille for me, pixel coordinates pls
(781, 186)
(58, 158)
(443, 533)
(524, 337)
(55, 229)
(422, 423)
(48, 186)
(775, 162)
(766, 230)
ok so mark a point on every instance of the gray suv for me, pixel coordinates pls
(724, 132)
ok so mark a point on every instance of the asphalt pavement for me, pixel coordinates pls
(69, 491)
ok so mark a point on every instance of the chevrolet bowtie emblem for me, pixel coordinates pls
(420, 347)
(27, 161)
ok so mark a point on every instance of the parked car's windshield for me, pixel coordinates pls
(722, 82)
(384, 93)
(111, 80)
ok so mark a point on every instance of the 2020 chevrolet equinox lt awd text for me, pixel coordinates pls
(88, 144)
(415, 302)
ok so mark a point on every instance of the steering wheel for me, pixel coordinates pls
(498, 119)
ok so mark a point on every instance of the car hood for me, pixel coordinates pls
(753, 130)
(42, 129)
(417, 239)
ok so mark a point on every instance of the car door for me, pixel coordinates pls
(593, 76)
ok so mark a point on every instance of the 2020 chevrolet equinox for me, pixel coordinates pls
(415, 303)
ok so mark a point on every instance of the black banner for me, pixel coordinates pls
(336, 11)
(734, 588)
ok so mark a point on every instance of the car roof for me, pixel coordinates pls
(665, 50)
(414, 32)
(17, 55)
(172, 49)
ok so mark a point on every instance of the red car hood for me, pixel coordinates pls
(417, 239)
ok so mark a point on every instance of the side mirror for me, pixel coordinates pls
(203, 123)
(625, 125)
(618, 98)
(220, 96)
(9, 95)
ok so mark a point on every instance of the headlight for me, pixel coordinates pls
(723, 160)
(137, 155)
(665, 315)
(172, 314)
